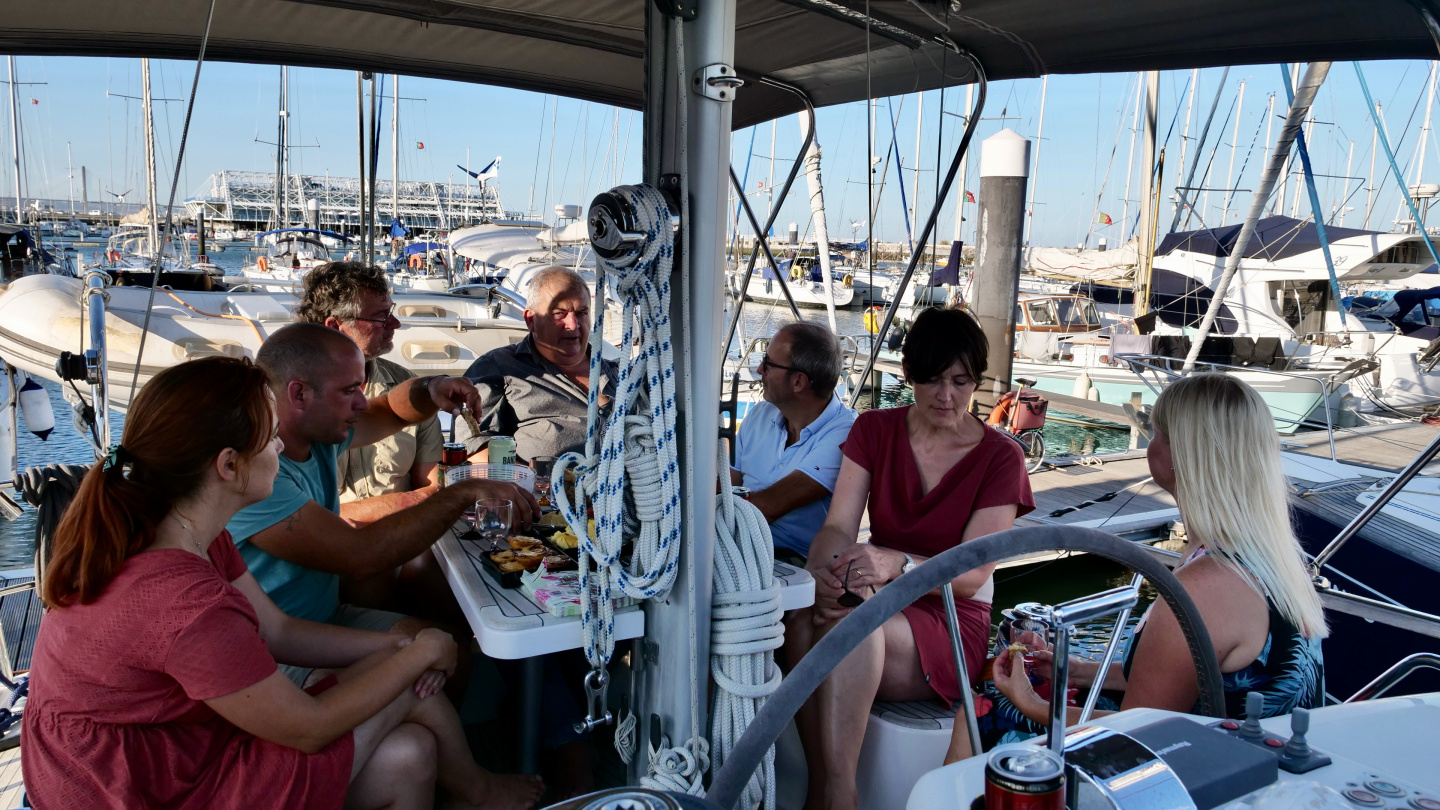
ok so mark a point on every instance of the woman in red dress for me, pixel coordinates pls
(932, 476)
(153, 681)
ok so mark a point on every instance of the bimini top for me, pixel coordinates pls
(1275, 238)
(594, 50)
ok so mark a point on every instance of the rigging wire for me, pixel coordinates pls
(170, 207)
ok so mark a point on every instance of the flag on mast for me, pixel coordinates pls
(1104, 219)
(969, 197)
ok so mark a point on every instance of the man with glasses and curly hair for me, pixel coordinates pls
(787, 452)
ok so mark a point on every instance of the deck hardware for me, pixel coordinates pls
(597, 685)
(683, 10)
(717, 81)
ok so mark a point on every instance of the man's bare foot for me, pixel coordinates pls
(503, 791)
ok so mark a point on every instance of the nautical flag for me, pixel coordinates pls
(34, 101)
(1104, 219)
(760, 184)
(419, 144)
(969, 197)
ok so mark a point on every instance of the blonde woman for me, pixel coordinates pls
(1215, 449)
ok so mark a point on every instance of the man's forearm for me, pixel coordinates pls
(369, 510)
(410, 401)
(401, 536)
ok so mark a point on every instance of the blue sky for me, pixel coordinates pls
(1082, 162)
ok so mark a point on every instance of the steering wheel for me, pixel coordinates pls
(772, 718)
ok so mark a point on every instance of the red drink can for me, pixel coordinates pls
(1024, 777)
(452, 454)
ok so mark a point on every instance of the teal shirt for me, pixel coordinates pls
(299, 591)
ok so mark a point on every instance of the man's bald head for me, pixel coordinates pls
(304, 352)
(551, 283)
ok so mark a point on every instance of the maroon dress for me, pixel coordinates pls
(905, 518)
(116, 716)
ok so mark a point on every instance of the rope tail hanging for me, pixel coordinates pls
(630, 469)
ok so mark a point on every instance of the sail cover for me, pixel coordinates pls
(1275, 238)
(594, 50)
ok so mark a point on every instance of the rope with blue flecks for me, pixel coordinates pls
(635, 453)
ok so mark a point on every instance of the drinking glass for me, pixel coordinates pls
(543, 466)
(492, 520)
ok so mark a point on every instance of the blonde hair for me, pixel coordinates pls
(1232, 491)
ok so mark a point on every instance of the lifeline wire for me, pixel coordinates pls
(170, 207)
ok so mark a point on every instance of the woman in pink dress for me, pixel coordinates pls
(153, 681)
(932, 476)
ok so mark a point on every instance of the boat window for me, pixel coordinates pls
(1073, 311)
(1041, 313)
(1091, 316)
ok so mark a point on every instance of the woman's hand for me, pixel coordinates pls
(430, 683)
(870, 565)
(1014, 683)
(439, 642)
(827, 589)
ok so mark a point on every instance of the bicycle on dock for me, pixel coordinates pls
(1021, 414)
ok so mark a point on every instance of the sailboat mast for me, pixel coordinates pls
(395, 150)
(1146, 252)
(964, 166)
(1374, 144)
(360, 198)
(1185, 140)
(280, 153)
(146, 113)
(1035, 171)
(817, 213)
(1230, 172)
(1130, 165)
(15, 139)
(1340, 204)
(1424, 130)
(915, 187)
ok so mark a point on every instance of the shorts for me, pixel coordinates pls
(359, 618)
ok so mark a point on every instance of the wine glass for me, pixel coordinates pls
(492, 520)
(543, 467)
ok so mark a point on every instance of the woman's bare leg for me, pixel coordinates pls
(463, 780)
(885, 666)
(398, 774)
(959, 740)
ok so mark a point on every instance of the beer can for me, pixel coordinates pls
(502, 449)
(1024, 777)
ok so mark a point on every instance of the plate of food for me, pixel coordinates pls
(524, 555)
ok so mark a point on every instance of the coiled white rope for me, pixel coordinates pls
(637, 452)
(745, 631)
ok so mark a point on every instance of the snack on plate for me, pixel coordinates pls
(552, 519)
(522, 543)
(566, 540)
(559, 562)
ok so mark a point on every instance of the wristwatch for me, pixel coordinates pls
(909, 563)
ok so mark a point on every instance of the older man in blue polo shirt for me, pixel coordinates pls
(788, 450)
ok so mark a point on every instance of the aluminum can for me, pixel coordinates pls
(502, 449)
(452, 455)
(1024, 777)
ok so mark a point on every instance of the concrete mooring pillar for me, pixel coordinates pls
(1004, 174)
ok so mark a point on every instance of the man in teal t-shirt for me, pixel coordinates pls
(295, 542)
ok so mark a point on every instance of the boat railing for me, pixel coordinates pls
(1155, 372)
(1390, 677)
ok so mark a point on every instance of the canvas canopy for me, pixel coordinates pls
(594, 49)
(1275, 238)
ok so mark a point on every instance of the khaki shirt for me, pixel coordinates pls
(384, 467)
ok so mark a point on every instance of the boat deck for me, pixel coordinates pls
(1139, 505)
(1382, 447)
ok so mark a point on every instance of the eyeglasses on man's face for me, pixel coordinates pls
(382, 320)
(766, 364)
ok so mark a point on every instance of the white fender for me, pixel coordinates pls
(35, 405)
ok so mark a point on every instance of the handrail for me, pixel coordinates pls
(1139, 366)
(1401, 670)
